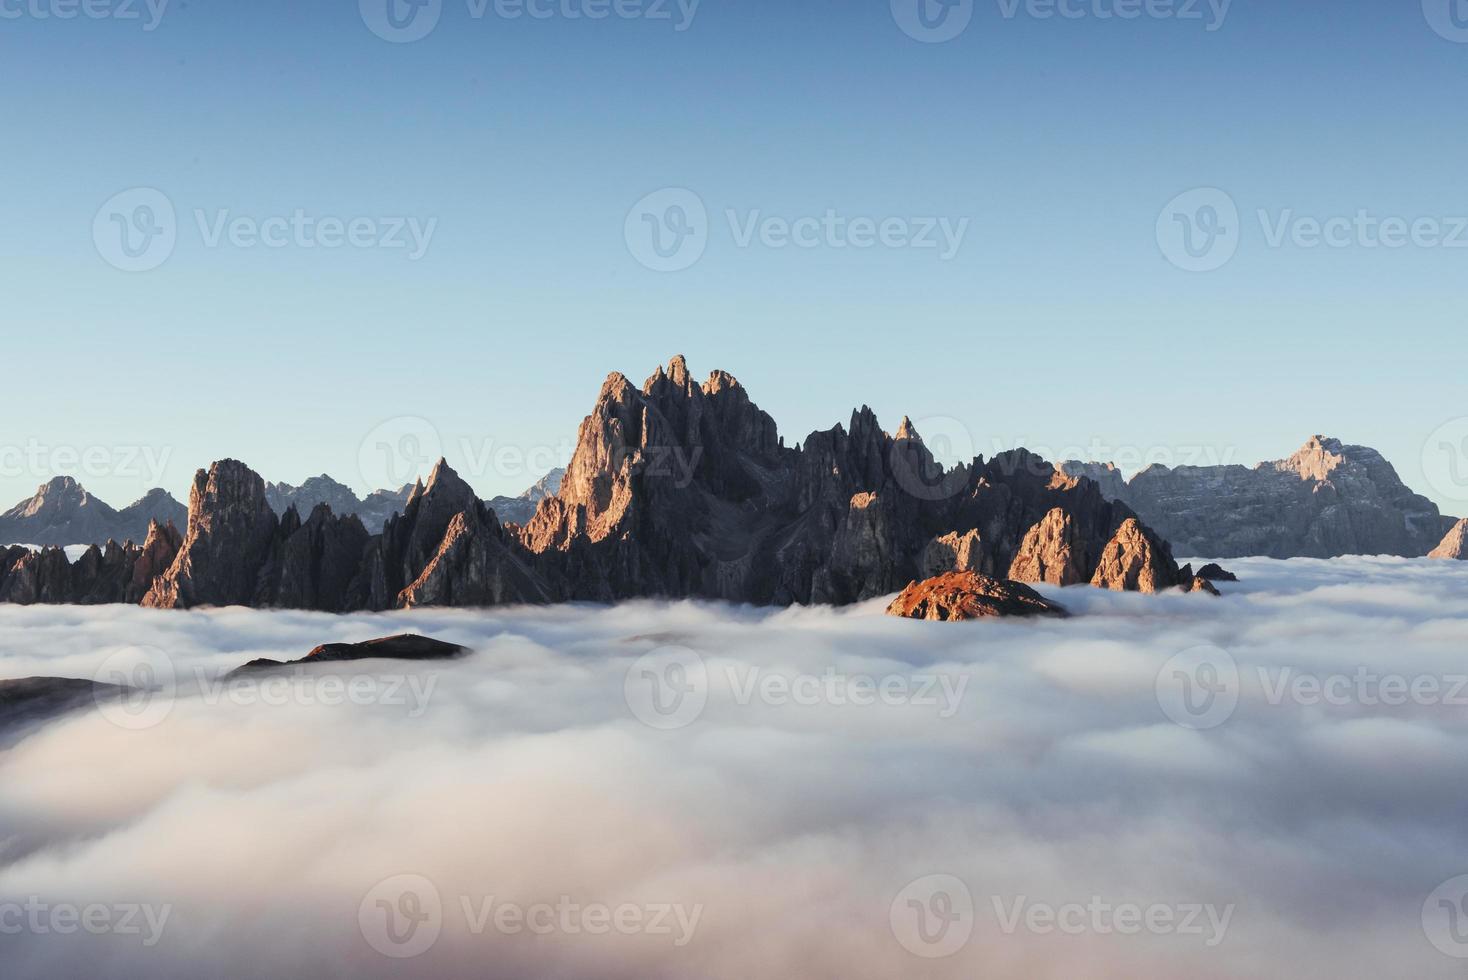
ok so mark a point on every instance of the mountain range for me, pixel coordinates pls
(681, 489)
(676, 489)
(1326, 500)
(62, 512)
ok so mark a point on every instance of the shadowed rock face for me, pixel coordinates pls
(959, 596)
(681, 489)
(231, 530)
(33, 699)
(1326, 500)
(675, 490)
(405, 646)
(1455, 545)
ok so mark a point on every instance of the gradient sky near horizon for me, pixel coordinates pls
(1063, 322)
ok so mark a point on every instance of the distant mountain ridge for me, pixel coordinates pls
(380, 505)
(63, 513)
(676, 489)
(1328, 499)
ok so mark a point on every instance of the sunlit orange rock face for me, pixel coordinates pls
(959, 596)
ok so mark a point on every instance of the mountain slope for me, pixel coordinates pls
(63, 513)
(1326, 500)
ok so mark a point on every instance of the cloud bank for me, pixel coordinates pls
(1159, 787)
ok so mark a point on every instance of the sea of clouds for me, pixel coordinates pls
(1270, 784)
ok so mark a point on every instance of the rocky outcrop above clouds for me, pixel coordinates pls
(62, 512)
(404, 646)
(1455, 545)
(959, 596)
(231, 534)
(681, 489)
(1326, 500)
(1132, 561)
(676, 489)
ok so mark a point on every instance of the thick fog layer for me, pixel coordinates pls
(1273, 783)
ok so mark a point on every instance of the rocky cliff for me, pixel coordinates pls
(1326, 500)
(1454, 545)
(676, 489)
(62, 512)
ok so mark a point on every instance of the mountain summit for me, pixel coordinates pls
(62, 512)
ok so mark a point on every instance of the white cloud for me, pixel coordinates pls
(790, 822)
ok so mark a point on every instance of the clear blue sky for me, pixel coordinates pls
(1060, 322)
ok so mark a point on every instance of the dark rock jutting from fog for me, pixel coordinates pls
(1327, 500)
(675, 490)
(405, 646)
